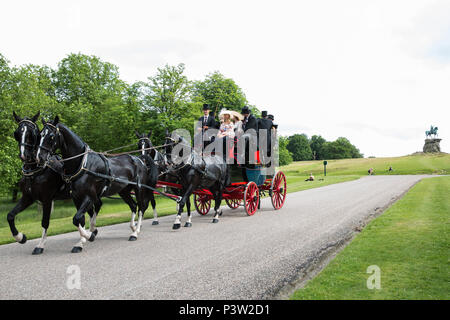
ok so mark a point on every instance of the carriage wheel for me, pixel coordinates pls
(202, 204)
(278, 190)
(233, 203)
(251, 198)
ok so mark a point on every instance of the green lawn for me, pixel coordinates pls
(409, 243)
(116, 211)
(413, 164)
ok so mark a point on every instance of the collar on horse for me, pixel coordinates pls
(70, 177)
(30, 173)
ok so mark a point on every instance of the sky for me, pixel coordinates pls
(376, 72)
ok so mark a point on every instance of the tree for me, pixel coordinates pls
(341, 148)
(220, 93)
(93, 101)
(316, 143)
(298, 145)
(166, 101)
(285, 157)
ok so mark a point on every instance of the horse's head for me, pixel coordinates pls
(26, 135)
(50, 140)
(144, 143)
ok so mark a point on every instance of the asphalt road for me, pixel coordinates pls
(240, 257)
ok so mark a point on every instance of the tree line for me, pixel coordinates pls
(299, 147)
(90, 97)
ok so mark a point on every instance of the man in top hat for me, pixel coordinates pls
(249, 121)
(266, 123)
(206, 122)
(274, 126)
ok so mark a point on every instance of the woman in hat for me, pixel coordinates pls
(227, 123)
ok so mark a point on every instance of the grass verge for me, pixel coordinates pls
(409, 243)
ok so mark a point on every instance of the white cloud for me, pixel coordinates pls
(375, 72)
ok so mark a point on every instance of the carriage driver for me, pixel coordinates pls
(206, 122)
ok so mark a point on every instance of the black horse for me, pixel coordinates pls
(92, 176)
(41, 184)
(195, 172)
(155, 162)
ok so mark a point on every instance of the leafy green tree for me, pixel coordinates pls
(93, 101)
(220, 93)
(298, 145)
(166, 102)
(316, 143)
(341, 148)
(285, 156)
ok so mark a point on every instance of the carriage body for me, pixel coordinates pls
(248, 185)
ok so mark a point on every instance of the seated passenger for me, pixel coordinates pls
(227, 126)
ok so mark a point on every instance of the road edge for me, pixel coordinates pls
(322, 257)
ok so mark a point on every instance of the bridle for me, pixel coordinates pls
(57, 136)
(35, 128)
(35, 132)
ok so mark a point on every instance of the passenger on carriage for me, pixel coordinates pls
(249, 121)
(266, 124)
(229, 122)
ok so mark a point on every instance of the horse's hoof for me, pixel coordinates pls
(37, 250)
(215, 220)
(95, 232)
(154, 223)
(92, 237)
(77, 249)
(132, 238)
(24, 239)
(176, 226)
(188, 224)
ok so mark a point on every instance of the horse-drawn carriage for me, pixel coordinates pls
(91, 175)
(241, 193)
(249, 183)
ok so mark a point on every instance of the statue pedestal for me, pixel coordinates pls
(432, 145)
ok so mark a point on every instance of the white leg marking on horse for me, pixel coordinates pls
(155, 214)
(43, 239)
(132, 224)
(189, 218)
(81, 242)
(83, 233)
(93, 222)
(138, 229)
(178, 219)
(19, 237)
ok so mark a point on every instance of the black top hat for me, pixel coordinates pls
(264, 114)
(270, 116)
(245, 110)
(206, 106)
